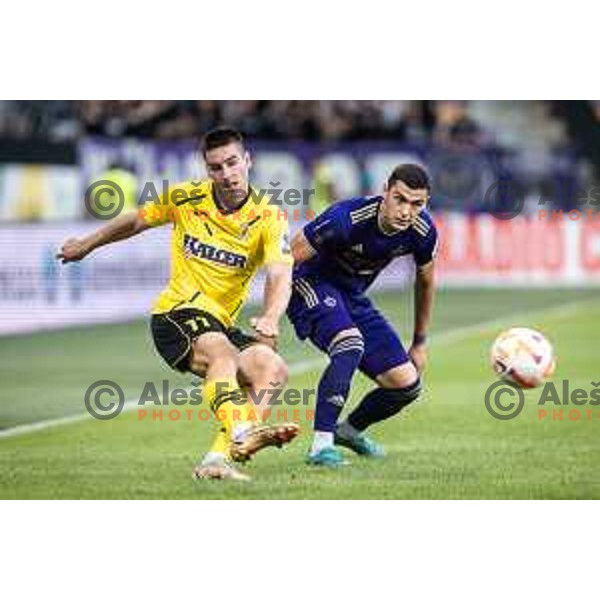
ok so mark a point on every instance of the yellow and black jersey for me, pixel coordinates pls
(215, 252)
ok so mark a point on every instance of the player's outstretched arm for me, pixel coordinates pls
(278, 287)
(121, 228)
(424, 296)
(301, 249)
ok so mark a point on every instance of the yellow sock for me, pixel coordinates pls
(220, 444)
(225, 400)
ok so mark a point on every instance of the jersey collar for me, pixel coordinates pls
(378, 224)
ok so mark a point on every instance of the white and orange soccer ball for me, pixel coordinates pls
(523, 356)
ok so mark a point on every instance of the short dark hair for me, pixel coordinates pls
(220, 136)
(414, 176)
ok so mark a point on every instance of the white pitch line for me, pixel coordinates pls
(446, 337)
(522, 319)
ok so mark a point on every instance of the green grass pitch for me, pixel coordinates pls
(444, 446)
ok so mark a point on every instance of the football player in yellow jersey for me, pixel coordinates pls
(223, 232)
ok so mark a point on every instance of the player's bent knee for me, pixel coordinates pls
(398, 398)
(269, 365)
(198, 365)
(259, 362)
(400, 387)
(279, 371)
(211, 348)
(411, 392)
(213, 345)
(399, 377)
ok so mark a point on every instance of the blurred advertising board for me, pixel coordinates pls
(461, 177)
(119, 282)
(40, 193)
(351, 168)
(524, 251)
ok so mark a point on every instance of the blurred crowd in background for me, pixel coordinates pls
(401, 120)
(290, 119)
(546, 148)
(538, 127)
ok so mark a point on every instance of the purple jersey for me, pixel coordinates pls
(351, 249)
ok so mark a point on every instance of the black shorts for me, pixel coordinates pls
(174, 332)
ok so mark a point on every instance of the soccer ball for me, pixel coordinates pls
(523, 356)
